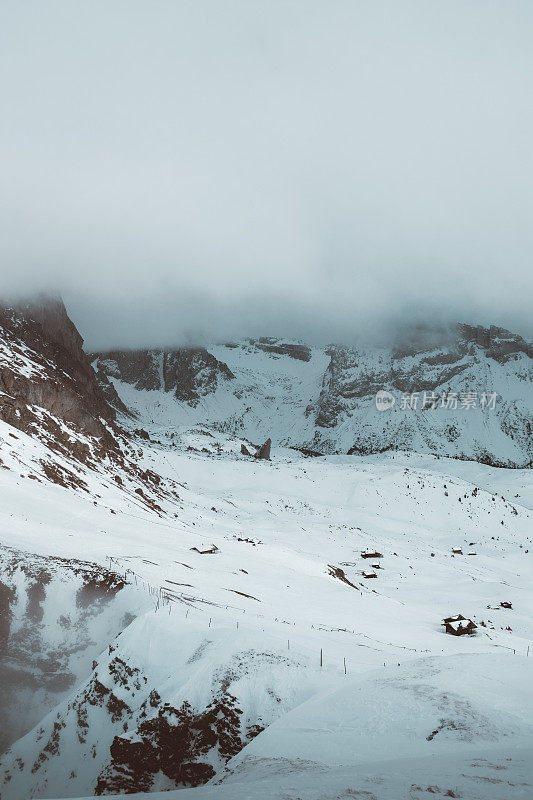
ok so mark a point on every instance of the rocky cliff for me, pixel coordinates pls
(50, 392)
(189, 373)
(43, 365)
(464, 391)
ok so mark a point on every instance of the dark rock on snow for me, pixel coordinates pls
(264, 450)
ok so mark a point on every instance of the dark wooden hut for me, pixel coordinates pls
(458, 625)
(205, 549)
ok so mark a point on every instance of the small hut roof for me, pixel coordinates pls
(455, 618)
(461, 624)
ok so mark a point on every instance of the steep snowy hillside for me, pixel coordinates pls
(57, 428)
(64, 424)
(57, 614)
(465, 392)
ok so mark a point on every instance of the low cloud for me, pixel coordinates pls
(308, 169)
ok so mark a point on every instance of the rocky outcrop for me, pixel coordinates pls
(39, 664)
(264, 450)
(190, 373)
(111, 395)
(174, 743)
(50, 313)
(126, 730)
(277, 347)
(499, 343)
(143, 369)
(42, 364)
(49, 390)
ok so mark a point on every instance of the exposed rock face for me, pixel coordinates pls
(188, 372)
(264, 450)
(499, 343)
(111, 395)
(51, 314)
(42, 364)
(324, 399)
(122, 732)
(49, 391)
(458, 361)
(193, 372)
(39, 665)
(142, 368)
(271, 345)
(174, 743)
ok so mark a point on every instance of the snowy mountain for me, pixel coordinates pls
(177, 617)
(465, 392)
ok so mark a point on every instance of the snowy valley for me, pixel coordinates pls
(179, 617)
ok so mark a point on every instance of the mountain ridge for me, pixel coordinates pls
(324, 399)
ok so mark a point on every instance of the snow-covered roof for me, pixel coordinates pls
(461, 624)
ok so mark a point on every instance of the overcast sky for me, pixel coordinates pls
(185, 169)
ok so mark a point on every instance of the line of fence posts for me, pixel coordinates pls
(163, 597)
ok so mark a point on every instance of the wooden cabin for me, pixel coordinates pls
(506, 604)
(458, 625)
(458, 551)
(205, 549)
(369, 575)
(371, 554)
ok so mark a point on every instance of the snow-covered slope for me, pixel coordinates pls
(244, 628)
(175, 615)
(441, 721)
(465, 392)
(57, 615)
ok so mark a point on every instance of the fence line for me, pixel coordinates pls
(169, 597)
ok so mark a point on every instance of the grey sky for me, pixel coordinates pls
(221, 168)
